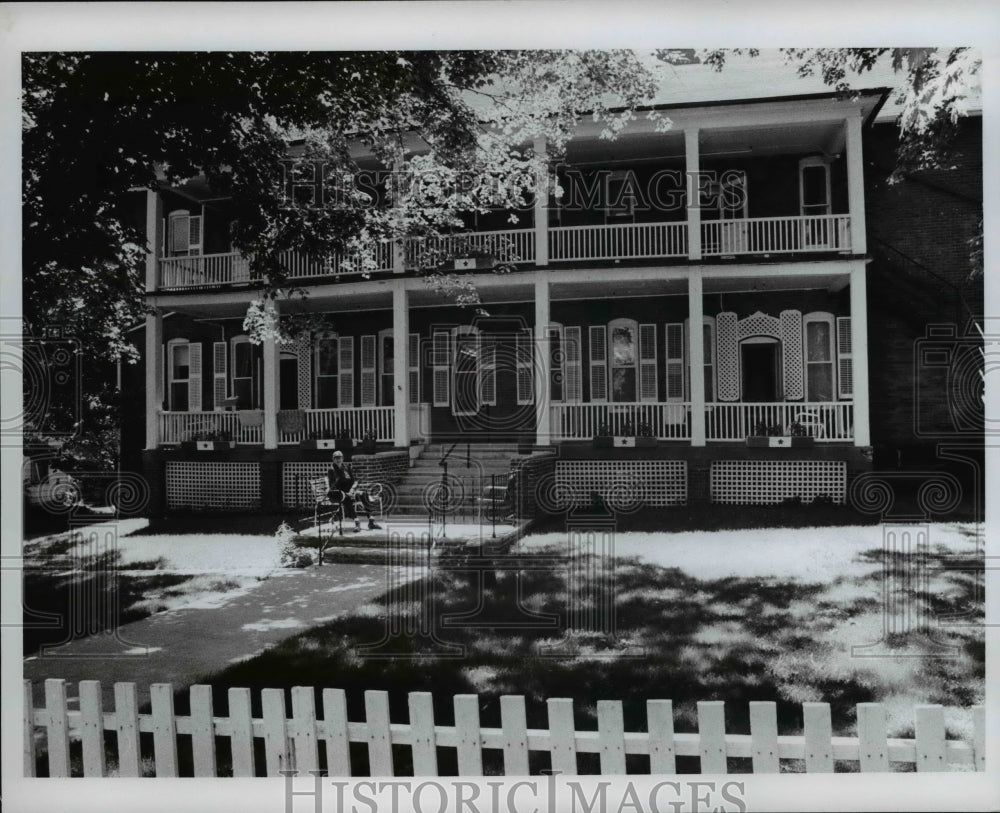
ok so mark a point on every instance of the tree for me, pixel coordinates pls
(99, 125)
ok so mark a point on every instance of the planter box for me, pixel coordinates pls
(207, 445)
(318, 443)
(604, 442)
(646, 443)
(780, 442)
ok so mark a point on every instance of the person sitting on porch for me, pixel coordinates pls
(340, 478)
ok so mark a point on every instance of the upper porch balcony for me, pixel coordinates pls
(765, 187)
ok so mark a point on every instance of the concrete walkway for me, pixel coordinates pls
(184, 645)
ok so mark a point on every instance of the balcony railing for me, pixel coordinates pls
(303, 424)
(624, 241)
(776, 235)
(666, 421)
(245, 427)
(826, 421)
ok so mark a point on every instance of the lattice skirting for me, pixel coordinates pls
(623, 484)
(295, 478)
(762, 482)
(216, 486)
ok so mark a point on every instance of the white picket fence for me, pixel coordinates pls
(292, 743)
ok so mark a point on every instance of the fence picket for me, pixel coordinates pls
(92, 727)
(422, 738)
(304, 729)
(764, 736)
(873, 749)
(712, 734)
(660, 724)
(470, 744)
(562, 735)
(611, 731)
(241, 725)
(379, 735)
(202, 731)
(930, 738)
(127, 726)
(161, 699)
(28, 730)
(56, 727)
(979, 737)
(513, 721)
(818, 734)
(338, 750)
(275, 731)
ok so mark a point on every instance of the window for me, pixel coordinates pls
(183, 234)
(245, 388)
(327, 369)
(387, 351)
(524, 362)
(708, 350)
(814, 186)
(621, 194)
(466, 371)
(179, 354)
(819, 334)
(623, 356)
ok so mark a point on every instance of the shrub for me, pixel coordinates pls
(291, 555)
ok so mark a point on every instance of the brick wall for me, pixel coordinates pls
(383, 467)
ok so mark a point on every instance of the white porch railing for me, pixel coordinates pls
(246, 428)
(213, 270)
(305, 424)
(776, 235)
(618, 241)
(825, 421)
(585, 421)
(506, 245)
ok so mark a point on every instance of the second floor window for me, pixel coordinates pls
(184, 234)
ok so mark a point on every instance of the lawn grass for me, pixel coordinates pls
(501, 625)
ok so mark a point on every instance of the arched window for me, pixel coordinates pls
(184, 234)
(818, 336)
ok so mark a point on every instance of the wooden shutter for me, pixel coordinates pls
(845, 358)
(525, 368)
(220, 370)
(194, 377)
(346, 372)
(194, 234)
(572, 371)
(598, 363)
(369, 384)
(441, 373)
(673, 366)
(488, 371)
(647, 363)
(413, 363)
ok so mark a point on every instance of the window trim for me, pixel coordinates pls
(171, 380)
(623, 321)
(316, 374)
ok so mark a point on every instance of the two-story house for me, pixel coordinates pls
(692, 289)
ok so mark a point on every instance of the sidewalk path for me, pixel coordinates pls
(182, 645)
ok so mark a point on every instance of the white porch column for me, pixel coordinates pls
(692, 166)
(270, 353)
(696, 355)
(400, 364)
(543, 354)
(154, 225)
(542, 206)
(154, 377)
(856, 185)
(859, 355)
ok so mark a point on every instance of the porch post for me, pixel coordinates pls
(400, 365)
(270, 353)
(859, 354)
(154, 377)
(154, 225)
(855, 185)
(696, 370)
(692, 167)
(542, 206)
(543, 434)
